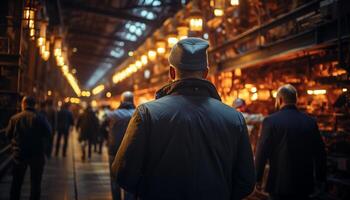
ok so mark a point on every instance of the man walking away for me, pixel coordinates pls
(88, 127)
(119, 120)
(30, 135)
(64, 122)
(187, 144)
(291, 142)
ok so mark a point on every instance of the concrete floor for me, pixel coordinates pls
(69, 178)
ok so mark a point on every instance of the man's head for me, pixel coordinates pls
(127, 97)
(28, 102)
(286, 95)
(189, 59)
(239, 104)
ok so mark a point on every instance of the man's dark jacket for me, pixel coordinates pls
(30, 134)
(88, 124)
(291, 142)
(118, 122)
(64, 121)
(186, 144)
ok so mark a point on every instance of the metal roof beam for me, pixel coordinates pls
(96, 35)
(112, 13)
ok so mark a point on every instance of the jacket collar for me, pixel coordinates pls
(189, 87)
(126, 105)
(289, 107)
(29, 109)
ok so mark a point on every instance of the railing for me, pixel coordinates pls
(5, 156)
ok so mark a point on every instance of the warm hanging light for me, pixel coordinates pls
(238, 72)
(58, 46)
(73, 83)
(108, 95)
(152, 55)
(161, 45)
(46, 53)
(234, 2)
(219, 7)
(98, 89)
(65, 69)
(172, 39)
(29, 18)
(42, 34)
(138, 64)
(182, 31)
(196, 20)
(144, 59)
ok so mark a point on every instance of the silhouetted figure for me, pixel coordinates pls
(29, 133)
(119, 120)
(64, 123)
(187, 144)
(291, 143)
(88, 126)
(104, 127)
(50, 113)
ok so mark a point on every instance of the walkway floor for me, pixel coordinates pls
(69, 178)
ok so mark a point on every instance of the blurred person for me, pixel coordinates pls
(291, 143)
(47, 109)
(252, 120)
(64, 123)
(118, 122)
(186, 144)
(88, 126)
(30, 135)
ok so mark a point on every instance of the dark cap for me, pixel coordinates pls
(190, 54)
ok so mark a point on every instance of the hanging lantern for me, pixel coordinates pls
(219, 7)
(234, 2)
(182, 31)
(172, 39)
(42, 33)
(152, 55)
(58, 46)
(161, 45)
(29, 18)
(196, 20)
(46, 54)
(28, 15)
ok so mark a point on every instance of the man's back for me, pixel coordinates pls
(193, 147)
(29, 132)
(64, 120)
(118, 121)
(290, 140)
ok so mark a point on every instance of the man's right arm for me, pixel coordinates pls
(9, 132)
(263, 149)
(128, 163)
(244, 172)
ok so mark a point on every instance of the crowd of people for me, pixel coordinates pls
(186, 144)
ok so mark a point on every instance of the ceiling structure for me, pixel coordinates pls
(100, 33)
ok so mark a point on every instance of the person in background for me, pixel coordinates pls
(64, 123)
(186, 144)
(47, 109)
(118, 122)
(291, 143)
(30, 135)
(253, 120)
(88, 126)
